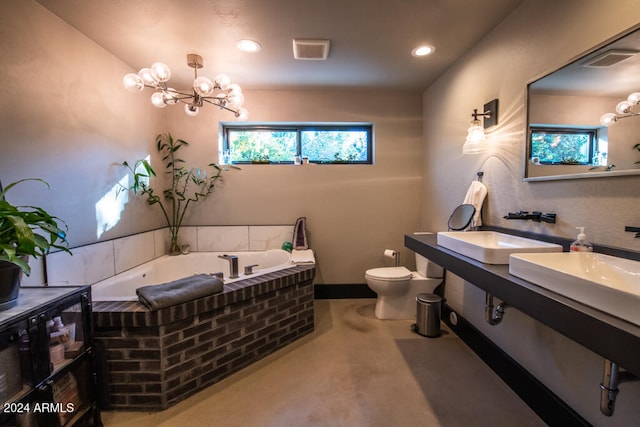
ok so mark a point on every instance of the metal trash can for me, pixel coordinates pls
(428, 315)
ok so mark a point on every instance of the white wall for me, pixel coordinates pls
(538, 37)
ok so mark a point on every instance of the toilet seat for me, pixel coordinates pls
(389, 274)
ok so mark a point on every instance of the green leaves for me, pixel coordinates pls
(187, 184)
(20, 228)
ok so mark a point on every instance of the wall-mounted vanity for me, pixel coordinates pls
(565, 139)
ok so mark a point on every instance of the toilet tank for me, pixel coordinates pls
(428, 268)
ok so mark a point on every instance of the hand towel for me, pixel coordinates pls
(302, 257)
(475, 196)
(186, 289)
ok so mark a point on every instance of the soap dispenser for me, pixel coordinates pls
(581, 244)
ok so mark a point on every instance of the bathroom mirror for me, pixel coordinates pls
(461, 217)
(565, 139)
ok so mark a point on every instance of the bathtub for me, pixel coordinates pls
(122, 287)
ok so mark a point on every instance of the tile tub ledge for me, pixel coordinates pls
(606, 335)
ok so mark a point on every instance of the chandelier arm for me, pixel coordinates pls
(222, 106)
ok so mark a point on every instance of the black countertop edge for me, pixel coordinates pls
(606, 335)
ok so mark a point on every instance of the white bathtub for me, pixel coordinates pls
(122, 287)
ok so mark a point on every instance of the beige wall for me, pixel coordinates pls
(67, 119)
(539, 36)
(353, 212)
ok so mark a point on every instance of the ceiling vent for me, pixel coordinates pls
(310, 49)
(609, 58)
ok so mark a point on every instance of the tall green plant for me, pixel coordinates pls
(28, 231)
(187, 184)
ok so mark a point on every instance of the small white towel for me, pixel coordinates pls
(302, 257)
(475, 196)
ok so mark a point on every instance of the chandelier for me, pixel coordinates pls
(219, 92)
(624, 109)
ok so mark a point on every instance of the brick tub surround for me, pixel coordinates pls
(151, 360)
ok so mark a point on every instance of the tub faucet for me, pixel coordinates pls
(233, 264)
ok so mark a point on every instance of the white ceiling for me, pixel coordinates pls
(371, 40)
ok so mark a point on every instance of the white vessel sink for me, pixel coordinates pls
(604, 282)
(491, 247)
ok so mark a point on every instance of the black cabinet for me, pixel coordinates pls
(47, 372)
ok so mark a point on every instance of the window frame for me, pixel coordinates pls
(298, 128)
(591, 131)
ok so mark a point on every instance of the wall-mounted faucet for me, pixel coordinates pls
(633, 230)
(233, 264)
(534, 216)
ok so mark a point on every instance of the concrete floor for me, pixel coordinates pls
(354, 370)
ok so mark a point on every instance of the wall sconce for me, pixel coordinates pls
(475, 142)
(624, 110)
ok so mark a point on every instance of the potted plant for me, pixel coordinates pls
(24, 231)
(187, 185)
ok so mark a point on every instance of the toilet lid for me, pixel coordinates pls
(390, 273)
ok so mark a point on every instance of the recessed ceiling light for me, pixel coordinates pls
(249, 46)
(423, 50)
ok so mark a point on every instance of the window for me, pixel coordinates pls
(281, 143)
(554, 146)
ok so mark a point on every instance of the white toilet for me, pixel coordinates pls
(397, 287)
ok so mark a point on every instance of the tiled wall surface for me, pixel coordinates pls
(154, 359)
(92, 263)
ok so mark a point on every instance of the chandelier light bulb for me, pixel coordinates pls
(157, 99)
(163, 73)
(242, 114)
(149, 76)
(133, 82)
(203, 86)
(236, 99)
(191, 110)
(169, 97)
(623, 107)
(608, 119)
(223, 81)
(634, 98)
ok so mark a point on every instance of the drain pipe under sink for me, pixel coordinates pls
(489, 315)
(611, 378)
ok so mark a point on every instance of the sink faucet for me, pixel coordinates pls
(534, 216)
(233, 264)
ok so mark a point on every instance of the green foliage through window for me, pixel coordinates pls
(563, 146)
(320, 143)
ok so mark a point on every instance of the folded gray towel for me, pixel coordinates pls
(189, 288)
